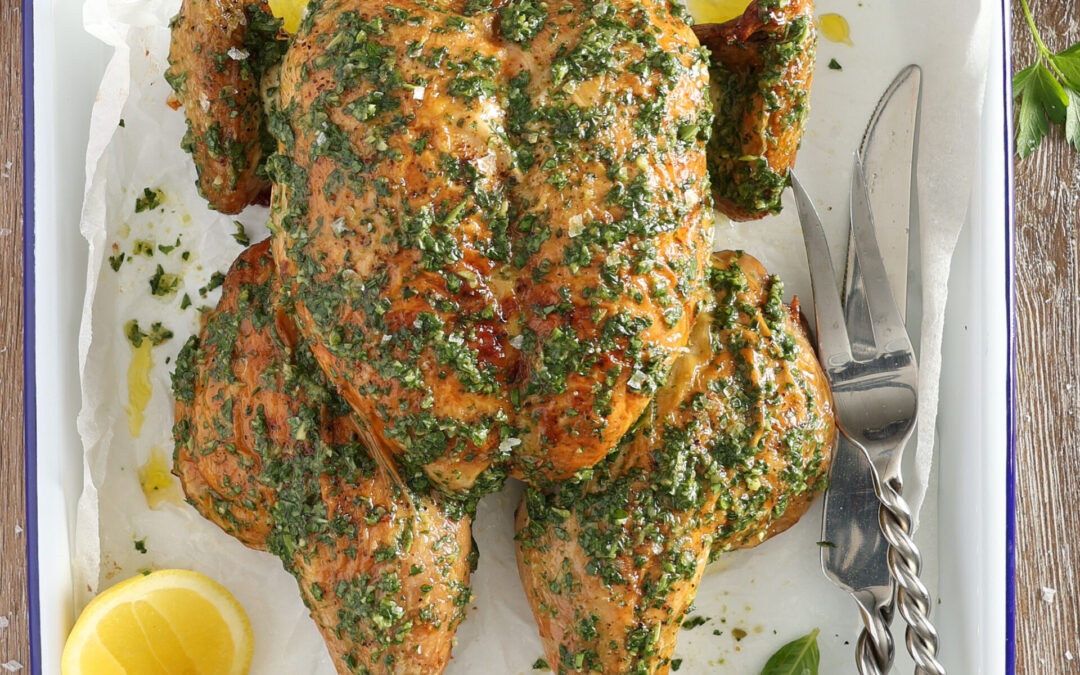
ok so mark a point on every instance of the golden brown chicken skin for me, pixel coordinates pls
(762, 67)
(267, 451)
(495, 222)
(219, 51)
(733, 451)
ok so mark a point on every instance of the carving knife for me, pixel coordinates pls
(854, 551)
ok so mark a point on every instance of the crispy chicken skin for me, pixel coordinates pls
(267, 451)
(762, 67)
(495, 222)
(733, 451)
(219, 50)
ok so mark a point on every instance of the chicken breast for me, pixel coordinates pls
(495, 222)
(760, 75)
(271, 454)
(219, 51)
(734, 449)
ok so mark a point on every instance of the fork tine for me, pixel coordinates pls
(889, 331)
(832, 337)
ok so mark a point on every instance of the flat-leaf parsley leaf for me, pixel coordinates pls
(1049, 93)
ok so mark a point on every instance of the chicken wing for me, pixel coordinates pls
(271, 454)
(762, 67)
(219, 51)
(732, 452)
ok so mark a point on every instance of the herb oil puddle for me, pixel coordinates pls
(140, 388)
(156, 479)
(835, 28)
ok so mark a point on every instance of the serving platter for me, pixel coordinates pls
(967, 525)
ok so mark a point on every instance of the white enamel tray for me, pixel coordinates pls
(63, 65)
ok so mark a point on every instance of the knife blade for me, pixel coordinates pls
(855, 554)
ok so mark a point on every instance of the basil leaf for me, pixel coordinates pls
(798, 657)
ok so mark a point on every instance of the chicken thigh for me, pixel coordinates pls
(270, 453)
(732, 452)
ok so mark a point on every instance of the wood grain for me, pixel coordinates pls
(1048, 389)
(14, 642)
(1048, 360)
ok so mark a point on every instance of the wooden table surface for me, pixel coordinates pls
(1048, 360)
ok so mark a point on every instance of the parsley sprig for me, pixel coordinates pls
(1049, 92)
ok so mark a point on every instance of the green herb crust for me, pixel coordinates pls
(495, 262)
(761, 68)
(732, 451)
(270, 453)
(219, 53)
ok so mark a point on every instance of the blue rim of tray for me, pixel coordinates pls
(1010, 365)
(29, 356)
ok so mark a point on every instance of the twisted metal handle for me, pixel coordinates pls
(905, 564)
(874, 650)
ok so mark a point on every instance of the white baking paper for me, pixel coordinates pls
(770, 594)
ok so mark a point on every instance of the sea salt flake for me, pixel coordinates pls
(1047, 594)
(508, 444)
(18, 529)
(237, 54)
(577, 225)
(11, 666)
(637, 379)
(517, 341)
(418, 93)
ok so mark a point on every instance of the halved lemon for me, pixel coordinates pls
(716, 11)
(289, 11)
(169, 622)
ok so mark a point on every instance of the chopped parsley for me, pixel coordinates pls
(157, 335)
(168, 248)
(694, 622)
(216, 279)
(522, 20)
(241, 235)
(149, 200)
(163, 283)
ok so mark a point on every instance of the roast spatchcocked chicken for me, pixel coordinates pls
(490, 258)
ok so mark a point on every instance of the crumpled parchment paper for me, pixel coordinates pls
(754, 600)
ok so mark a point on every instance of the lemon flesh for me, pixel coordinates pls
(167, 622)
(289, 11)
(716, 11)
